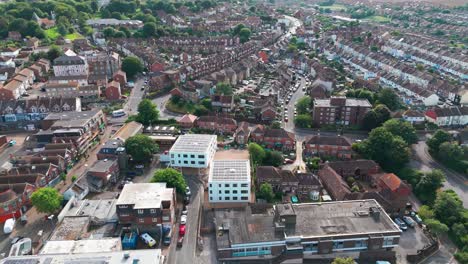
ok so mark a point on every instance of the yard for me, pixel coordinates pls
(335, 7)
(53, 34)
(379, 19)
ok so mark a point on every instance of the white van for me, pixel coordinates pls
(9, 225)
(148, 239)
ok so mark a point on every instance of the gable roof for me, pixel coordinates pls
(329, 140)
(334, 183)
(392, 181)
(279, 133)
(187, 118)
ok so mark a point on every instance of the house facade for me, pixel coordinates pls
(331, 146)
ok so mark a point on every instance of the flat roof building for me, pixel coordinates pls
(305, 231)
(193, 151)
(229, 181)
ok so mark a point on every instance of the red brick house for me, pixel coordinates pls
(158, 67)
(113, 91)
(223, 103)
(187, 121)
(387, 188)
(14, 199)
(277, 138)
(268, 113)
(120, 77)
(242, 134)
(331, 146)
(218, 124)
(101, 173)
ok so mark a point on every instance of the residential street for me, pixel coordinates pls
(422, 160)
(160, 103)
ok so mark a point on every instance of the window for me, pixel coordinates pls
(244, 191)
(234, 185)
(226, 185)
(388, 241)
(140, 211)
(234, 198)
(211, 192)
(185, 156)
(192, 156)
(234, 191)
(337, 244)
(192, 162)
(244, 185)
(361, 243)
(211, 198)
(211, 185)
(155, 220)
(227, 198)
(201, 156)
(165, 218)
(172, 155)
(153, 211)
(178, 155)
(185, 162)
(201, 162)
(219, 191)
(226, 191)
(244, 198)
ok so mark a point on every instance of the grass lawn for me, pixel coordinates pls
(73, 36)
(53, 34)
(335, 7)
(380, 19)
(182, 109)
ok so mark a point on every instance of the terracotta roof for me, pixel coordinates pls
(278, 133)
(187, 118)
(334, 183)
(391, 180)
(329, 140)
(219, 120)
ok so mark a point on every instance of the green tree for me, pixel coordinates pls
(382, 112)
(436, 227)
(343, 261)
(448, 207)
(390, 151)
(273, 158)
(429, 184)
(74, 178)
(266, 192)
(389, 98)
(46, 200)
(450, 151)
(206, 103)
(200, 110)
(303, 105)
(147, 112)
(54, 52)
(303, 121)
(141, 148)
(108, 32)
(410, 175)
(439, 137)
(224, 88)
(257, 154)
(425, 212)
(403, 129)
(244, 35)
(276, 125)
(149, 29)
(131, 66)
(173, 178)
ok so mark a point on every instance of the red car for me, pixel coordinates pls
(181, 230)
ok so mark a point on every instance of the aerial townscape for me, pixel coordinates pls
(233, 131)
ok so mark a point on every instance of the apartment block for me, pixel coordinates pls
(340, 110)
(193, 151)
(229, 181)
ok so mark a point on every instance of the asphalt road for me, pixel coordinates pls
(422, 160)
(187, 253)
(131, 106)
(163, 112)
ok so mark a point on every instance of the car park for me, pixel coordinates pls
(409, 221)
(401, 224)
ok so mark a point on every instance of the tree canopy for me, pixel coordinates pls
(131, 66)
(439, 137)
(429, 184)
(390, 151)
(147, 112)
(266, 192)
(389, 98)
(303, 121)
(343, 261)
(403, 129)
(273, 158)
(303, 105)
(224, 88)
(46, 200)
(141, 148)
(257, 154)
(172, 177)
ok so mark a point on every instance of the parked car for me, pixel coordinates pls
(180, 241)
(187, 191)
(9, 225)
(183, 219)
(409, 221)
(288, 161)
(417, 219)
(182, 230)
(401, 224)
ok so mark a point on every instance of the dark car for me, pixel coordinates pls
(180, 241)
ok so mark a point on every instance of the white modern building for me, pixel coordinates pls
(229, 181)
(193, 151)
